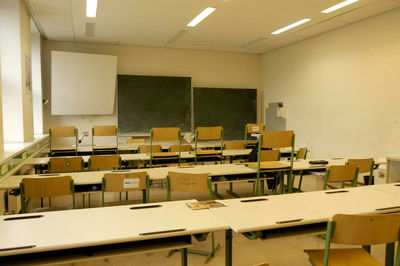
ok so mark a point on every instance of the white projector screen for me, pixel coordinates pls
(82, 84)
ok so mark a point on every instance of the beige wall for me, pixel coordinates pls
(206, 69)
(27, 105)
(1, 118)
(341, 88)
(15, 44)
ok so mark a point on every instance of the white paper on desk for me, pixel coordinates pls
(131, 182)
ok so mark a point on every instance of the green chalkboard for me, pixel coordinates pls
(230, 108)
(153, 101)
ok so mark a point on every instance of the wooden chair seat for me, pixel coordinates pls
(208, 152)
(340, 257)
(164, 154)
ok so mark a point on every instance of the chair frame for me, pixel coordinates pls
(259, 185)
(197, 139)
(247, 131)
(371, 170)
(146, 191)
(94, 169)
(166, 131)
(51, 135)
(116, 136)
(330, 237)
(328, 174)
(23, 198)
(57, 158)
(214, 248)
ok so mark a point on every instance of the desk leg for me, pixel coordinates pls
(389, 256)
(228, 247)
(184, 257)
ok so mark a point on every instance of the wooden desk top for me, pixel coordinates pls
(98, 226)
(302, 208)
(80, 178)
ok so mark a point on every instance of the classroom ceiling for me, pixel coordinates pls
(242, 26)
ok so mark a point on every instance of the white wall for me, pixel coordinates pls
(341, 88)
(206, 69)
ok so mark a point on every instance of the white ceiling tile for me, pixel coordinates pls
(52, 6)
(236, 25)
(57, 35)
(188, 46)
(371, 9)
(54, 21)
(319, 28)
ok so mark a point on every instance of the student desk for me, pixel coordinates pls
(102, 232)
(300, 213)
(39, 162)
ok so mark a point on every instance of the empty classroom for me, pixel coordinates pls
(218, 132)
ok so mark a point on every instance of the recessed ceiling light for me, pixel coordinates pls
(91, 8)
(298, 23)
(201, 16)
(338, 6)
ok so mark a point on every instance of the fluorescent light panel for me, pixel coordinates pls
(298, 23)
(91, 8)
(201, 16)
(338, 6)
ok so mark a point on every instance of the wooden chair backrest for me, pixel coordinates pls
(364, 165)
(234, 145)
(188, 182)
(135, 141)
(47, 187)
(302, 153)
(366, 229)
(269, 155)
(209, 133)
(146, 148)
(120, 182)
(185, 147)
(165, 133)
(97, 162)
(63, 131)
(254, 128)
(276, 139)
(104, 130)
(65, 164)
(342, 173)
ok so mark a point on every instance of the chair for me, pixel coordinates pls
(47, 187)
(301, 155)
(234, 145)
(198, 183)
(364, 166)
(208, 133)
(184, 147)
(275, 140)
(147, 149)
(341, 174)
(132, 141)
(125, 182)
(105, 131)
(99, 162)
(63, 132)
(363, 230)
(165, 134)
(252, 129)
(65, 164)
